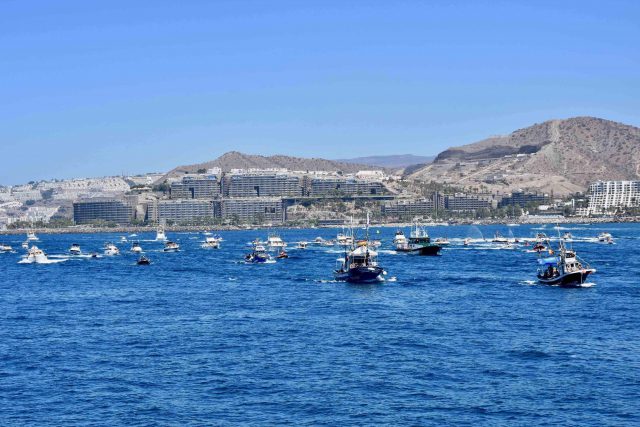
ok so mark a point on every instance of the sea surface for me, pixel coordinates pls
(201, 338)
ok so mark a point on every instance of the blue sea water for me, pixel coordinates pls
(200, 338)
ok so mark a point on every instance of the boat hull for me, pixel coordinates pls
(361, 275)
(570, 280)
(429, 250)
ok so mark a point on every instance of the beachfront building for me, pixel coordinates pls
(607, 196)
(522, 199)
(407, 209)
(341, 186)
(184, 210)
(205, 187)
(92, 210)
(253, 209)
(262, 183)
(463, 202)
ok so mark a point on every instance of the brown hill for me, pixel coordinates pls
(236, 160)
(562, 156)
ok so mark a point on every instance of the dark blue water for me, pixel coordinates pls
(200, 338)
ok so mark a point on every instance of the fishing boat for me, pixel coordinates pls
(143, 260)
(136, 248)
(171, 247)
(275, 242)
(75, 249)
(360, 265)
(563, 269)
(499, 238)
(111, 249)
(31, 237)
(258, 255)
(210, 243)
(5, 248)
(160, 234)
(419, 242)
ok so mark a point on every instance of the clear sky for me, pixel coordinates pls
(93, 88)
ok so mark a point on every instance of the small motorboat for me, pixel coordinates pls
(111, 250)
(75, 249)
(123, 239)
(375, 243)
(5, 248)
(37, 256)
(25, 245)
(211, 243)
(466, 242)
(282, 254)
(160, 234)
(442, 241)
(604, 237)
(499, 238)
(259, 255)
(143, 260)
(318, 241)
(136, 248)
(302, 245)
(31, 237)
(539, 247)
(275, 242)
(171, 247)
(563, 269)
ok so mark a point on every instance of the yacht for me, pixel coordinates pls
(160, 234)
(563, 269)
(75, 249)
(419, 242)
(604, 237)
(258, 255)
(400, 240)
(171, 247)
(111, 249)
(343, 239)
(35, 256)
(211, 243)
(136, 248)
(275, 242)
(31, 237)
(5, 248)
(499, 238)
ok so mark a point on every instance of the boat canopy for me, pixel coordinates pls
(362, 250)
(548, 261)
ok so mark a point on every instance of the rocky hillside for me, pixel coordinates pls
(562, 156)
(397, 161)
(236, 160)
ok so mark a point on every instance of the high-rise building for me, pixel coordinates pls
(469, 202)
(253, 209)
(111, 210)
(610, 195)
(184, 210)
(520, 198)
(205, 187)
(337, 186)
(262, 184)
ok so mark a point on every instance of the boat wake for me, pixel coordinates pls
(48, 261)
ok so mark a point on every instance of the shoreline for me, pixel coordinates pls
(148, 229)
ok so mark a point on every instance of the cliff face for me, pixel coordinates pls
(558, 155)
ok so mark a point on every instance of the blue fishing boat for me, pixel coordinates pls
(258, 255)
(563, 268)
(360, 264)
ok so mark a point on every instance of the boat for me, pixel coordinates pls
(539, 247)
(499, 238)
(604, 237)
(160, 234)
(419, 242)
(466, 242)
(563, 269)
(25, 245)
(343, 239)
(35, 256)
(111, 249)
(275, 242)
(442, 241)
(567, 236)
(136, 248)
(540, 237)
(318, 241)
(75, 249)
(360, 265)
(143, 260)
(400, 240)
(5, 248)
(282, 254)
(31, 237)
(123, 239)
(171, 247)
(302, 245)
(258, 255)
(375, 243)
(210, 243)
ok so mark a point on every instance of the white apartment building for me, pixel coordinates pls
(608, 195)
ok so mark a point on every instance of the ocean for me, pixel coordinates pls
(201, 338)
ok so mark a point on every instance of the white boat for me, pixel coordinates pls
(5, 248)
(111, 249)
(210, 243)
(302, 245)
(171, 247)
(604, 237)
(499, 238)
(36, 256)
(467, 241)
(275, 242)
(400, 240)
(123, 239)
(318, 241)
(343, 239)
(442, 241)
(375, 243)
(75, 249)
(25, 245)
(136, 248)
(160, 235)
(31, 237)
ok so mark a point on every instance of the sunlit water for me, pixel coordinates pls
(199, 337)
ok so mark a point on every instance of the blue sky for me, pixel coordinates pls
(103, 88)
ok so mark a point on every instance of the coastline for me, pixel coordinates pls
(147, 229)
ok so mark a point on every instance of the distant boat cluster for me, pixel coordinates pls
(359, 263)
